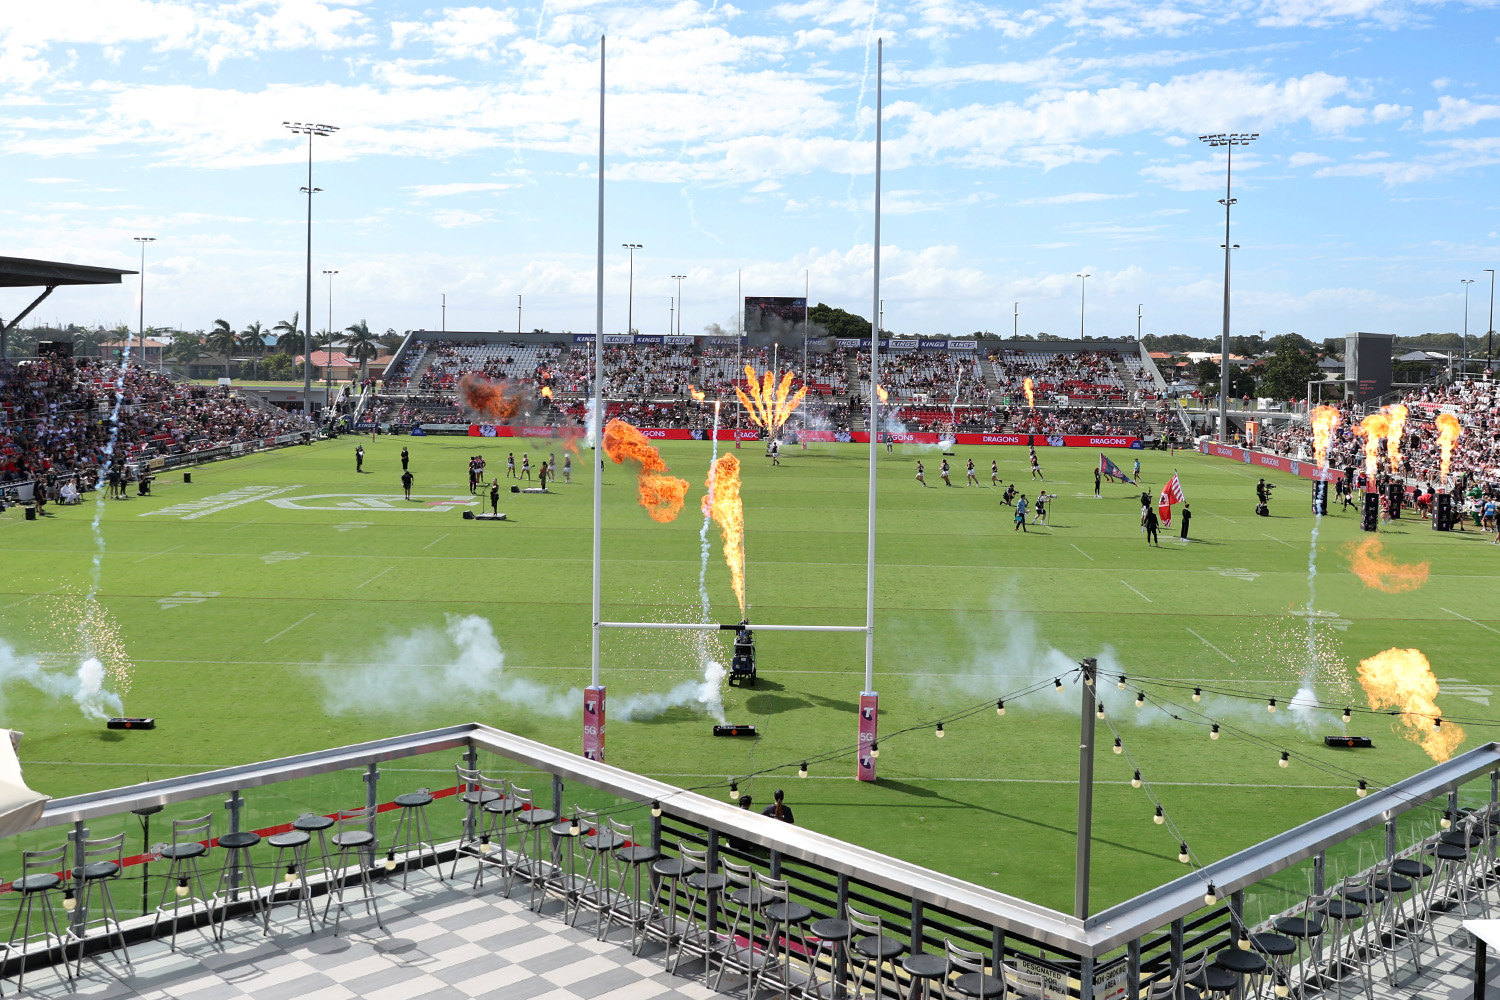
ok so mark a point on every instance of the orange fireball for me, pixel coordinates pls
(662, 496)
(1367, 560)
(1401, 681)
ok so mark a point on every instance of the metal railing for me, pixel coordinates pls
(1126, 943)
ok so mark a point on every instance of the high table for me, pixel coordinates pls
(1486, 935)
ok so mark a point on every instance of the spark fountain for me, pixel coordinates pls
(1324, 420)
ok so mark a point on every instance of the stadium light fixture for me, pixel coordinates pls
(309, 129)
(1083, 287)
(678, 278)
(630, 295)
(1228, 140)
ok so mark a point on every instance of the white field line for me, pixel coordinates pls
(27, 600)
(251, 521)
(1282, 541)
(433, 542)
(1082, 553)
(1211, 646)
(1470, 620)
(293, 625)
(377, 576)
(1223, 518)
(161, 553)
(1139, 594)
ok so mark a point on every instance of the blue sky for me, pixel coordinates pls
(1023, 145)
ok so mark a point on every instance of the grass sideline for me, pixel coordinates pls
(967, 609)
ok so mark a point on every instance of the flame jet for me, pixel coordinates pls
(724, 505)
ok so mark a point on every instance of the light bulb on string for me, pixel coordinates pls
(1213, 733)
(1057, 683)
(939, 732)
(1286, 759)
(1446, 822)
(291, 874)
(1000, 707)
(1160, 817)
(1119, 747)
(1140, 699)
(875, 750)
(1135, 781)
(182, 888)
(1271, 706)
(1363, 789)
(1437, 724)
(69, 902)
(1100, 711)
(734, 791)
(1121, 682)
(802, 771)
(1348, 714)
(1281, 989)
(390, 860)
(1211, 896)
(1197, 694)
(655, 808)
(1182, 853)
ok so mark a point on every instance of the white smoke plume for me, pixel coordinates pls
(590, 423)
(461, 662)
(706, 695)
(84, 687)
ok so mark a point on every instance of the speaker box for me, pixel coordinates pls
(1369, 514)
(1442, 512)
(1395, 493)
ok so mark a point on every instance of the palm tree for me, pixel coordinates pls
(288, 336)
(253, 339)
(362, 345)
(223, 340)
(186, 347)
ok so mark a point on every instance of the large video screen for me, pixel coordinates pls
(772, 312)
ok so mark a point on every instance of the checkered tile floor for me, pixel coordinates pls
(439, 942)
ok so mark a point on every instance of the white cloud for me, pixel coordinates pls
(1306, 159)
(425, 191)
(1197, 175)
(461, 33)
(1389, 112)
(1454, 113)
(1074, 198)
(53, 180)
(1390, 14)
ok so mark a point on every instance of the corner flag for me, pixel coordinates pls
(1110, 470)
(1170, 494)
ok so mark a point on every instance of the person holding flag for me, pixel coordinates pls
(1170, 494)
(1112, 471)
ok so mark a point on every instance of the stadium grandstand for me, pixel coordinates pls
(1102, 387)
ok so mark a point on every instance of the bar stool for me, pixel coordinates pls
(39, 881)
(101, 862)
(564, 883)
(418, 831)
(601, 876)
(1208, 980)
(310, 823)
(743, 899)
(782, 916)
(190, 840)
(1416, 870)
(236, 846)
(965, 974)
(1363, 891)
(705, 887)
(924, 968)
(667, 875)
(1396, 888)
(835, 934)
(476, 790)
(874, 947)
(534, 867)
(497, 830)
(1342, 913)
(1306, 932)
(634, 857)
(1242, 964)
(1276, 950)
(294, 882)
(354, 843)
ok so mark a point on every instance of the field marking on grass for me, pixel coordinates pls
(377, 576)
(251, 521)
(1468, 619)
(1139, 594)
(1082, 553)
(1211, 646)
(1223, 518)
(161, 553)
(293, 625)
(27, 600)
(1001, 781)
(433, 542)
(1283, 541)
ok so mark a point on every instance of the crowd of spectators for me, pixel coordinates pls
(55, 417)
(934, 374)
(1102, 375)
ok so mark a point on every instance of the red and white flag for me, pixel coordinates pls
(1170, 494)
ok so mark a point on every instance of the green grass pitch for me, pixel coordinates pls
(233, 620)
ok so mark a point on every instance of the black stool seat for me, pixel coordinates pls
(565, 829)
(1366, 894)
(40, 882)
(1449, 852)
(1214, 979)
(1299, 927)
(238, 840)
(703, 880)
(978, 984)
(883, 948)
(1242, 963)
(1391, 883)
(604, 840)
(672, 868)
(537, 817)
(501, 805)
(478, 796)
(638, 854)
(830, 929)
(750, 895)
(1411, 867)
(292, 838)
(1272, 944)
(925, 965)
(183, 851)
(413, 800)
(312, 822)
(353, 838)
(1343, 909)
(96, 871)
(787, 913)
(1459, 839)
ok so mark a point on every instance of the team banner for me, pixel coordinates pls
(1307, 470)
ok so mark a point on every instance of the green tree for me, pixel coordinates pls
(288, 336)
(223, 340)
(186, 348)
(390, 340)
(361, 346)
(253, 339)
(280, 366)
(838, 322)
(1286, 373)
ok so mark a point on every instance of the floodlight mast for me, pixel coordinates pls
(309, 129)
(1228, 140)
